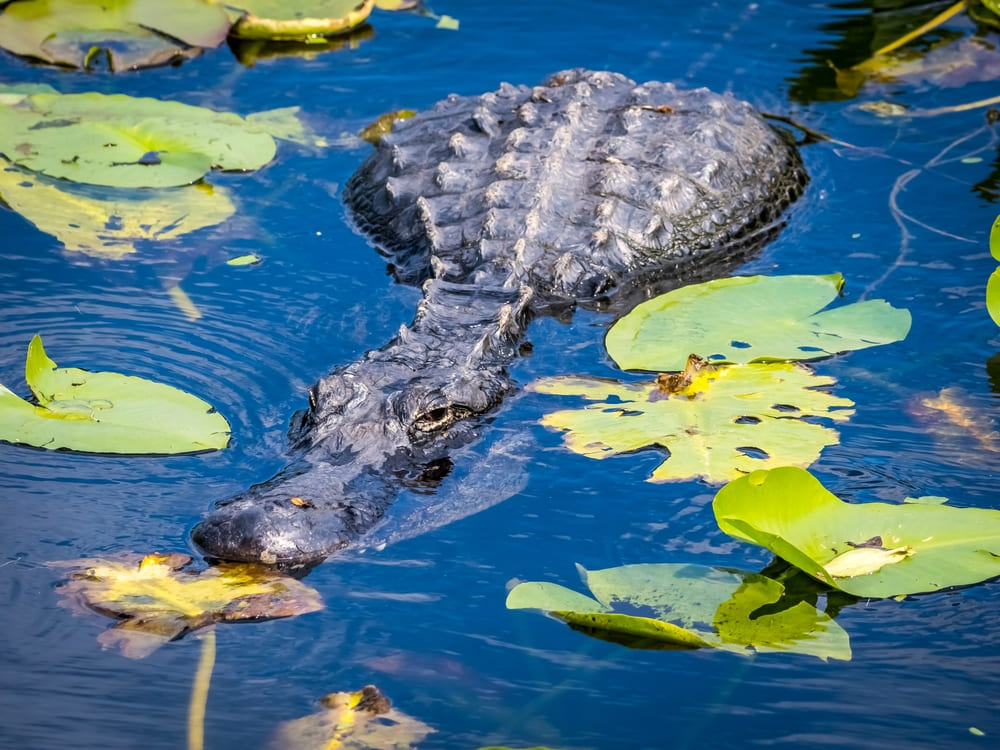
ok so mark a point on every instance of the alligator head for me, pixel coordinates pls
(387, 421)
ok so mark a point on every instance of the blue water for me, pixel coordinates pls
(424, 619)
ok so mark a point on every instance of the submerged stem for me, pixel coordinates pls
(939, 19)
(199, 691)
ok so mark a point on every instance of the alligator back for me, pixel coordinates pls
(575, 186)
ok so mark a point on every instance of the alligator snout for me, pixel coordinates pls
(279, 530)
(299, 517)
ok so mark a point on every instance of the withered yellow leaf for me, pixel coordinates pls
(363, 719)
(156, 599)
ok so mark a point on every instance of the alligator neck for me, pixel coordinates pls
(456, 350)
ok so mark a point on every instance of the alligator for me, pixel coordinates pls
(587, 190)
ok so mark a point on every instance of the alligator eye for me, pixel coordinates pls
(440, 418)
(434, 419)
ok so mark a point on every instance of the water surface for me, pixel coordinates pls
(424, 619)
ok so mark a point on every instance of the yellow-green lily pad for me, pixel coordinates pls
(751, 318)
(107, 222)
(156, 598)
(297, 19)
(132, 33)
(726, 422)
(866, 549)
(993, 284)
(105, 412)
(688, 606)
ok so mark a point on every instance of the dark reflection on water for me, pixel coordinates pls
(424, 618)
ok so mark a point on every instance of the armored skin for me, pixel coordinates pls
(586, 190)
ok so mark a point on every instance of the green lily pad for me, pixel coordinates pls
(106, 222)
(751, 318)
(105, 412)
(993, 296)
(689, 606)
(298, 19)
(871, 549)
(993, 284)
(727, 422)
(122, 141)
(132, 33)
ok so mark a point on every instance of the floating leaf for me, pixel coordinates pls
(904, 549)
(107, 222)
(688, 606)
(298, 19)
(993, 285)
(133, 33)
(364, 719)
(122, 141)
(748, 318)
(383, 124)
(104, 412)
(157, 600)
(726, 422)
(244, 260)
